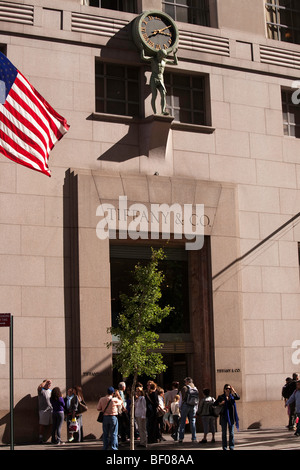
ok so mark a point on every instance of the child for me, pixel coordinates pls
(209, 422)
(160, 416)
(176, 416)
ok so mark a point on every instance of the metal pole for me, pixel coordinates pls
(11, 375)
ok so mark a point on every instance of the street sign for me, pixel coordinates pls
(4, 319)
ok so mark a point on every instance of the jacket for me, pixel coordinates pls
(229, 411)
(295, 397)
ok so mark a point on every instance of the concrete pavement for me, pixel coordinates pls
(263, 439)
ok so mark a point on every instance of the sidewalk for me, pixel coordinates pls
(264, 439)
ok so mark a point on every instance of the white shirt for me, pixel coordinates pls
(140, 407)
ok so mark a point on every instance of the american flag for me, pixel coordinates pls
(29, 126)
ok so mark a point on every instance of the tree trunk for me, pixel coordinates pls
(132, 412)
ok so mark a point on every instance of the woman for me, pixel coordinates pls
(68, 403)
(152, 404)
(58, 415)
(228, 415)
(75, 411)
(140, 415)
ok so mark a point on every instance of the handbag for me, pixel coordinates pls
(215, 410)
(73, 426)
(160, 411)
(101, 414)
(82, 407)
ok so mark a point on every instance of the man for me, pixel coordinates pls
(295, 399)
(109, 405)
(188, 408)
(291, 389)
(123, 416)
(45, 407)
(170, 394)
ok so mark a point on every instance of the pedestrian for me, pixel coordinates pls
(291, 408)
(167, 415)
(169, 398)
(208, 420)
(58, 414)
(160, 411)
(45, 408)
(140, 415)
(123, 413)
(152, 404)
(295, 399)
(228, 415)
(188, 408)
(285, 395)
(109, 405)
(77, 405)
(175, 411)
(68, 412)
(126, 415)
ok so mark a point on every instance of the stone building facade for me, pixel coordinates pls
(231, 143)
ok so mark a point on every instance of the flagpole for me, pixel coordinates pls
(11, 367)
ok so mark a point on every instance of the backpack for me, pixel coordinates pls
(192, 396)
(285, 391)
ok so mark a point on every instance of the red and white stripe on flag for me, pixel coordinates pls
(29, 126)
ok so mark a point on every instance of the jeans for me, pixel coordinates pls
(176, 421)
(224, 425)
(58, 419)
(110, 432)
(188, 411)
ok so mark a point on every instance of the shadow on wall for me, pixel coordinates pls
(26, 421)
(26, 411)
(96, 382)
(126, 149)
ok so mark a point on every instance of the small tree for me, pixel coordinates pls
(137, 346)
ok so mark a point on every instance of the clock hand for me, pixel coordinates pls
(166, 27)
(159, 31)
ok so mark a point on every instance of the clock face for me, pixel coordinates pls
(157, 31)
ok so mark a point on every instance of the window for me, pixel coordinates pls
(188, 11)
(117, 89)
(291, 115)
(175, 291)
(186, 98)
(283, 20)
(120, 5)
